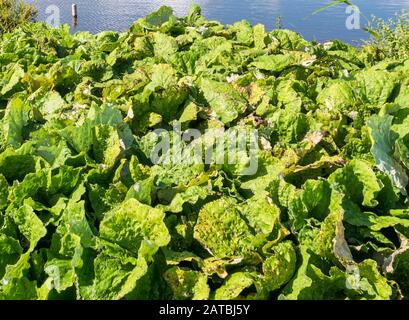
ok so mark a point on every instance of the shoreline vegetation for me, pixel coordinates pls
(85, 213)
(391, 37)
(14, 14)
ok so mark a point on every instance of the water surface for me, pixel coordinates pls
(99, 15)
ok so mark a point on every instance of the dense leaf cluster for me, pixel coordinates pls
(85, 214)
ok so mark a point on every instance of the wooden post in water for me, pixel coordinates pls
(74, 13)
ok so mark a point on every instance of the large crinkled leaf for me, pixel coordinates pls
(338, 95)
(165, 93)
(278, 268)
(164, 46)
(279, 62)
(10, 252)
(68, 245)
(74, 220)
(358, 182)
(50, 105)
(234, 286)
(222, 230)
(361, 280)
(373, 283)
(13, 77)
(289, 96)
(30, 226)
(98, 69)
(330, 243)
(383, 148)
(216, 55)
(377, 86)
(119, 273)
(82, 135)
(226, 103)
(263, 216)
(254, 223)
(158, 18)
(4, 192)
(187, 284)
(61, 274)
(289, 39)
(29, 187)
(107, 145)
(132, 224)
(110, 277)
(291, 126)
(13, 122)
(261, 38)
(312, 201)
(310, 283)
(192, 195)
(243, 32)
(15, 284)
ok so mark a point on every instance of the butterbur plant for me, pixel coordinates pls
(14, 13)
(187, 159)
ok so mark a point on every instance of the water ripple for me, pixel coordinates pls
(99, 15)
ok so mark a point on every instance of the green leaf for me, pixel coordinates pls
(289, 39)
(29, 225)
(131, 224)
(226, 103)
(312, 201)
(279, 62)
(383, 148)
(16, 284)
(358, 181)
(234, 286)
(187, 284)
(14, 121)
(215, 231)
(10, 252)
(279, 268)
(158, 18)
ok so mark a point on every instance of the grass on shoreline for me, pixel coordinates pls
(15, 13)
(391, 37)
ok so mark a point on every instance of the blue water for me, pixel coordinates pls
(99, 15)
